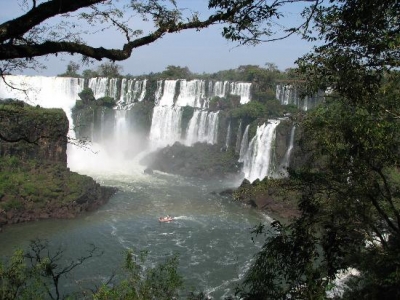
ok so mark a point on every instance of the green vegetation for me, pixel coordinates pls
(106, 102)
(349, 183)
(72, 70)
(348, 187)
(35, 184)
(39, 272)
(160, 282)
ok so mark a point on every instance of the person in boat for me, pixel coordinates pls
(165, 219)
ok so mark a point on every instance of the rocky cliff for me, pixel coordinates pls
(35, 182)
(201, 160)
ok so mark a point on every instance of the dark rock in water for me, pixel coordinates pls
(269, 195)
(227, 192)
(148, 171)
(201, 160)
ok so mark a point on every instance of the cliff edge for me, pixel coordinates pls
(35, 182)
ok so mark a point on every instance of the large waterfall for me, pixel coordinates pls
(113, 132)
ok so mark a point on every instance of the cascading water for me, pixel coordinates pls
(244, 145)
(132, 91)
(258, 158)
(203, 127)
(166, 120)
(219, 88)
(48, 92)
(192, 93)
(168, 94)
(165, 126)
(288, 94)
(228, 136)
(241, 89)
(286, 159)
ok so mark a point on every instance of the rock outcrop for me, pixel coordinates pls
(269, 195)
(201, 160)
(35, 182)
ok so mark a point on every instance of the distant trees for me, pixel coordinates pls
(109, 69)
(176, 72)
(72, 70)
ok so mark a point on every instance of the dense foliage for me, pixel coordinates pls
(39, 272)
(350, 203)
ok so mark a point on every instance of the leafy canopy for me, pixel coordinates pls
(349, 185)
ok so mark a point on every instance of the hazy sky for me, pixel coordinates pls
(201, 51)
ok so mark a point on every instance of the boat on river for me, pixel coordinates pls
(165, 219)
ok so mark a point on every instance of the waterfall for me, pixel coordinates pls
(228, 137)
(286, 159)
(132, 91)
(121, 134)
(289, 94)
(258, 158)
(203, 128)
(191, 93)
(168, 94)
(245, 144)
(241, 89)
(165, 126)
(48, 92)
(104, 87)
(238, 140)
(219, 89)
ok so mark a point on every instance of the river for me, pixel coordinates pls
(210, 233)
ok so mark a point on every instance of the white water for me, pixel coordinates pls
(104, 87)
(203, 127)
(165, 126)
(238, 138)
(286, 159)
(244, 145)
(257, 161)
(132, 91)
(289, 94)
(192, 93)
(241, 89)
(168, 93)
(228, 136)
(48, 92)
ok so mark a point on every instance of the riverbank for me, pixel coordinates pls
(32, 190)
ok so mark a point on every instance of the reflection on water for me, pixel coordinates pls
(210, 234)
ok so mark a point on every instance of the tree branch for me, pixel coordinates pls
(8, 51)
(21, 25)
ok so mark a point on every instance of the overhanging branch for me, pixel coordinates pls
(10, 51)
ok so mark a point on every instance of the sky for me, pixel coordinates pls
(204, 51)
